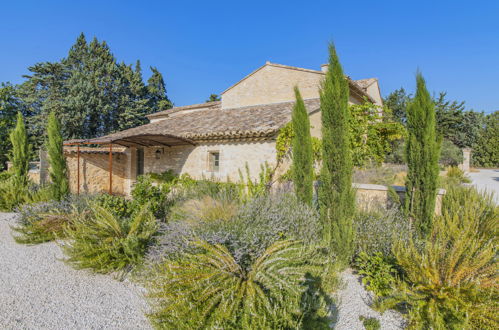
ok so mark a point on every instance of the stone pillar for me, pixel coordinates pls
(465, 166)
(44, 167)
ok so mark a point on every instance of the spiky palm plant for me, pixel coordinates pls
(209, 289)
(103, 242)
(451, 282)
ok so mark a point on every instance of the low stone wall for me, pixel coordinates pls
(371, 196)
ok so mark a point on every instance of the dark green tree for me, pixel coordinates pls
(213, 98)
(90, 93)
(336, 196)
(422, 153)
(19, 156)
(156, 92)
(397, 102)
(8, 109)
(303, 162)
(58, 169)
(486, 149)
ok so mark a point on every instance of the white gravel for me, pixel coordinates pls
(38, 291)
(354, 302)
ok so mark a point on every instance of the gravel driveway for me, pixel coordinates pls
(487, 179)
(38, 291)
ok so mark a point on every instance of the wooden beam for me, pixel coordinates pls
(110, 169)
(78, 170)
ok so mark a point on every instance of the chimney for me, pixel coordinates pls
(324, 67)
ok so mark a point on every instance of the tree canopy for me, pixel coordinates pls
(90, 92)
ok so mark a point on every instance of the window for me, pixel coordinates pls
(214, 161)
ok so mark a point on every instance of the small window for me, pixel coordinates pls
(214, 161)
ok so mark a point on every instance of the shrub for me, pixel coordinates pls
(257, 224)
(378, 272)
(42, 222)
(207, 288)
(451, 281)
(370, 323)
(205, 209)
(376, 231)
(118, 205)
(451, 155)
(454, 176)
(45, 221)
(144, 192)
(12, 195)
(103, 242)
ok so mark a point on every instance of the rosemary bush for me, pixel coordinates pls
(207, 288)
(101, 241)
(451, 282)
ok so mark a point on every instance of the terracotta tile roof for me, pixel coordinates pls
(213, 104)
(252, 122)
(365, 83)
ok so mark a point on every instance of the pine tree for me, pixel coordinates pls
(156, 92)
(422, 152)
(19, 155)
(303, 170)
(336, 196)
(58, 170)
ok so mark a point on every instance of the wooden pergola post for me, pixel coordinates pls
(78, 170)
(110, 168)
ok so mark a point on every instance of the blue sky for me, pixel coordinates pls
(203, 47)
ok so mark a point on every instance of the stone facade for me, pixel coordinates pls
(94, 172)
(194, 160)
(274, 83)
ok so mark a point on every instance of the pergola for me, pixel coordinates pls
(127, 140)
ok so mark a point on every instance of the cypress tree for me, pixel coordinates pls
(58, 170)
(336, 196)
(423, 152)
(303, 170)
(19, 155)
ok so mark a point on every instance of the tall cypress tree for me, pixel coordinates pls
(423, 152)
(58, 170)
(19, 155)
(336, 196)
(156, 92)
(303, 170)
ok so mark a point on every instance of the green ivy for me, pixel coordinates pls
(372, 130)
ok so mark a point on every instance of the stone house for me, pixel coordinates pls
(210, 140)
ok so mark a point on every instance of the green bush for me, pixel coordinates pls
(145, 192)
(119, 206)
(370, 323)
(207, 288)
(205, 209)
(450, 154)
(454, 176)
(378, 272)
(377, 230)
(101, 241)
(451, 282)
(12, 195)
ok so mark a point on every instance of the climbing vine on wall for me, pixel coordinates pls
(372, 132)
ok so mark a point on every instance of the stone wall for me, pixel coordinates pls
(371, 196)
(193, 160)
(273, 84)
(94, 172)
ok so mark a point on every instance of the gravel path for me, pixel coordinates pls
(38, 291)
(486, 179)
(354, 301)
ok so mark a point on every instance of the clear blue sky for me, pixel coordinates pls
(203, 47)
